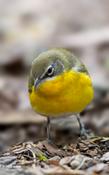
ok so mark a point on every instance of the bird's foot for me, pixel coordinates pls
(83, 133)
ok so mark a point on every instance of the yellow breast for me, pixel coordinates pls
(67, 93)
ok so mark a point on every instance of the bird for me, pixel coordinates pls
(59, 85)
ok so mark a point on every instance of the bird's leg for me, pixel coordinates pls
(82, 128)
(48, 130)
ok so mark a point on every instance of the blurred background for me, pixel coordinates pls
(28, 27)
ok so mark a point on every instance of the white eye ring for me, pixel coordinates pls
(50, 71)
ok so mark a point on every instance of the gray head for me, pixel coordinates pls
(51, 63)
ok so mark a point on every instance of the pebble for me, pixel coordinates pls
(65, 160)
(79, 161)
(57, 158)
(105, 157)
(97, 168)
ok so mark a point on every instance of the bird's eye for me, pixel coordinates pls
(50, 71)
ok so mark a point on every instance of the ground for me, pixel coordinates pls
(26, 29)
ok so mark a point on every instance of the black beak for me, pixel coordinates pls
(37, 82)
